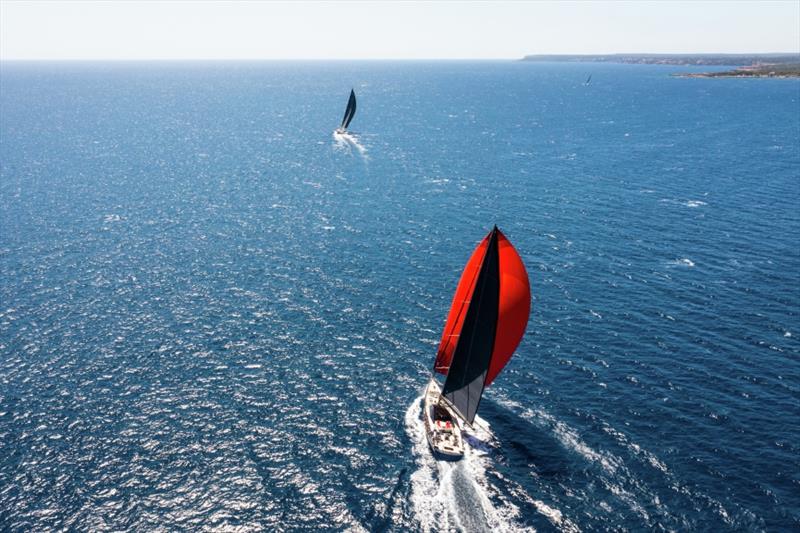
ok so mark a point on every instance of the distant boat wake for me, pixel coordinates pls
(348, 141)
(449, 496)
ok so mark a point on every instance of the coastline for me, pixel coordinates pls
(729, 60)
(733, 74)
(778, 65)
(781, 71)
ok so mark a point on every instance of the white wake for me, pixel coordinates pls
(456, 495)
(349, 141)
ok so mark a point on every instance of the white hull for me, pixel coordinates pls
(441, 425)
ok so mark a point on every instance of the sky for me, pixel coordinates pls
(390, 30)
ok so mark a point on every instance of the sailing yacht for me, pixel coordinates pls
(349, 112)
(486, 322)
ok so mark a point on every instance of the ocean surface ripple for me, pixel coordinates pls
(216, 316)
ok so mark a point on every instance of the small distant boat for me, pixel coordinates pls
(588, 80)
(486, 322)
(349, 112)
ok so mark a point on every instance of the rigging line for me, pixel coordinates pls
(465, 303)
(461, 309)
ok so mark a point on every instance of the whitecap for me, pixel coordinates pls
(694, 203)
(683, 262)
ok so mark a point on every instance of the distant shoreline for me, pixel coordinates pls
(753, 71)
(734, 60)
(778, 65)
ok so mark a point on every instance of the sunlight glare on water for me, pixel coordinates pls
(217, 314)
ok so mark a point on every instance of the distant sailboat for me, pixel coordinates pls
(486, 322)
(588, 80)
(349, 112)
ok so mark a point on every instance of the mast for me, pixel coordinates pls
(466, 376)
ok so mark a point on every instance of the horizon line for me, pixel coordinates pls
(516, 58)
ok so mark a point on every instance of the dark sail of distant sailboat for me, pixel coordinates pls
(349, 112)
(588, 80)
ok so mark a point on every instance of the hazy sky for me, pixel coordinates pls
(370, 30)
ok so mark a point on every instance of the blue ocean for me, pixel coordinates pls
(214, 315)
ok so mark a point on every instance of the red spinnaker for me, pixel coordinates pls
(514, 307)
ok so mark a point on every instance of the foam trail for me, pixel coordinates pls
(349, 140)
(615, 472)
(455, 495)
